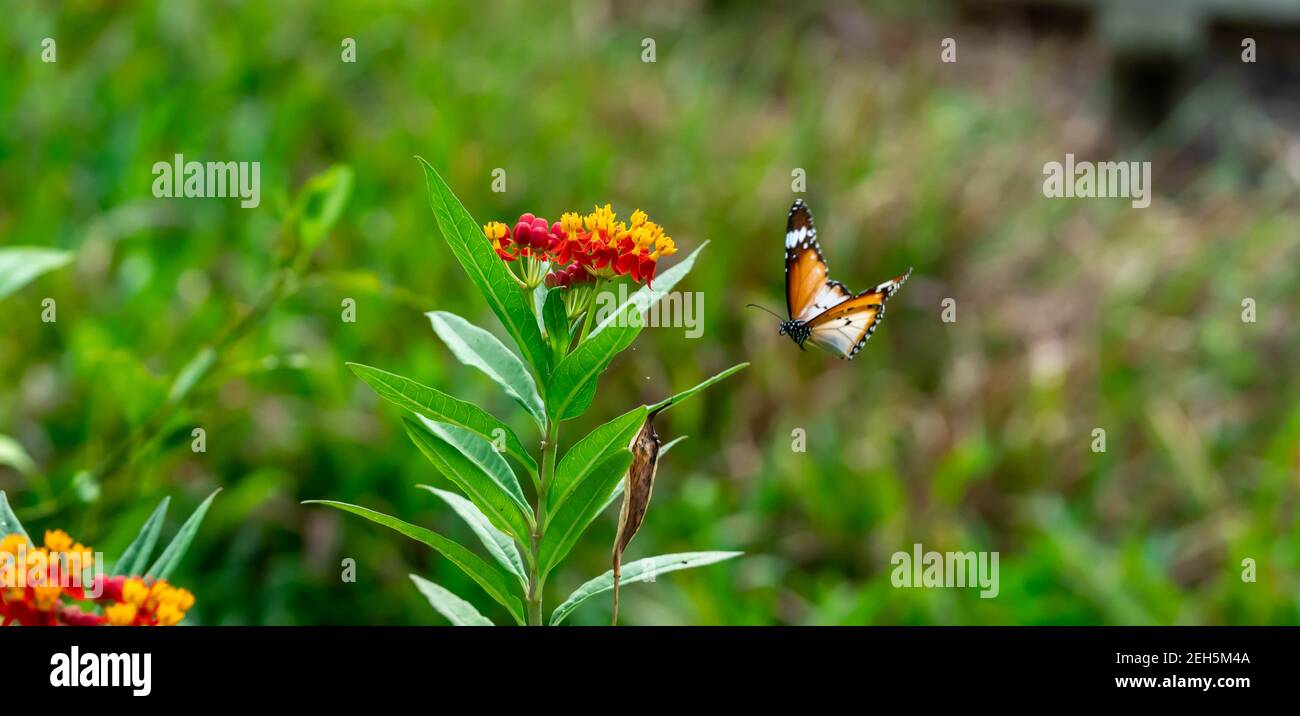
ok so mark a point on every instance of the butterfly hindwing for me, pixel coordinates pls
(843, 329)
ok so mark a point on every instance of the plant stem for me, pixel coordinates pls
(550, 446)
(591, 310)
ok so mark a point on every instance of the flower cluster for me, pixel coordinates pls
(132, 601)
(598, 244)
(43, 586)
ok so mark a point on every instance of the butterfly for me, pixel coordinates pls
(821, 310)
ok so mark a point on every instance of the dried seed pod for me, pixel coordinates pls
(638, 484)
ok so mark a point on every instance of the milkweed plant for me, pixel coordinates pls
(541, 280)
(61, 582)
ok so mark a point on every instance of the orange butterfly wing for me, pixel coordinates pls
(808, 288)
(843, 329)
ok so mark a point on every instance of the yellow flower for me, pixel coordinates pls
(134, 592)
(495, 230)
(664, 246)
(121, 614)
(184, 599)
(602, 219)
(619, 231)
(647, 234)
(57, 540)
(571, 223)
(638, 218)
(168, 603)
(169, 614)
(11, 544)
(46, 598)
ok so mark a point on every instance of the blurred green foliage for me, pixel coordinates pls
(975, 435)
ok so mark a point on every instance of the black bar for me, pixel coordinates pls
(239, 663)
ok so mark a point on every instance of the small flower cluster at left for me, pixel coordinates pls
(46, 586)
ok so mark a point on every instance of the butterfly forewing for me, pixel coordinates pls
(808, 290)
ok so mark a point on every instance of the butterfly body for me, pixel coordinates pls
(821, 310)
(798, 331)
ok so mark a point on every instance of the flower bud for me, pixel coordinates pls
(539, 239)
(522, 232)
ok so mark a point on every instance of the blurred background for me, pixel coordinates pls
(1071, 314)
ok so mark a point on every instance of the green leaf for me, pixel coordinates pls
(556, 320)
(323, 199)
(458, 611)
(175, 550)
(645, 296)
(496, 584)
(136, 556)
(573, 384)
(475, 347)
(498, 543)
(642, 570)
(20, 265)
(539, 300)
(474, 467)
(435, 405)
(589, 452)
(613, 496)
(14, 455)
(682, 396)
(487, 271)
(9, 523)
(191, 374)
(572, 518)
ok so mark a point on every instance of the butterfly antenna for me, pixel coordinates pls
(755, 305)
